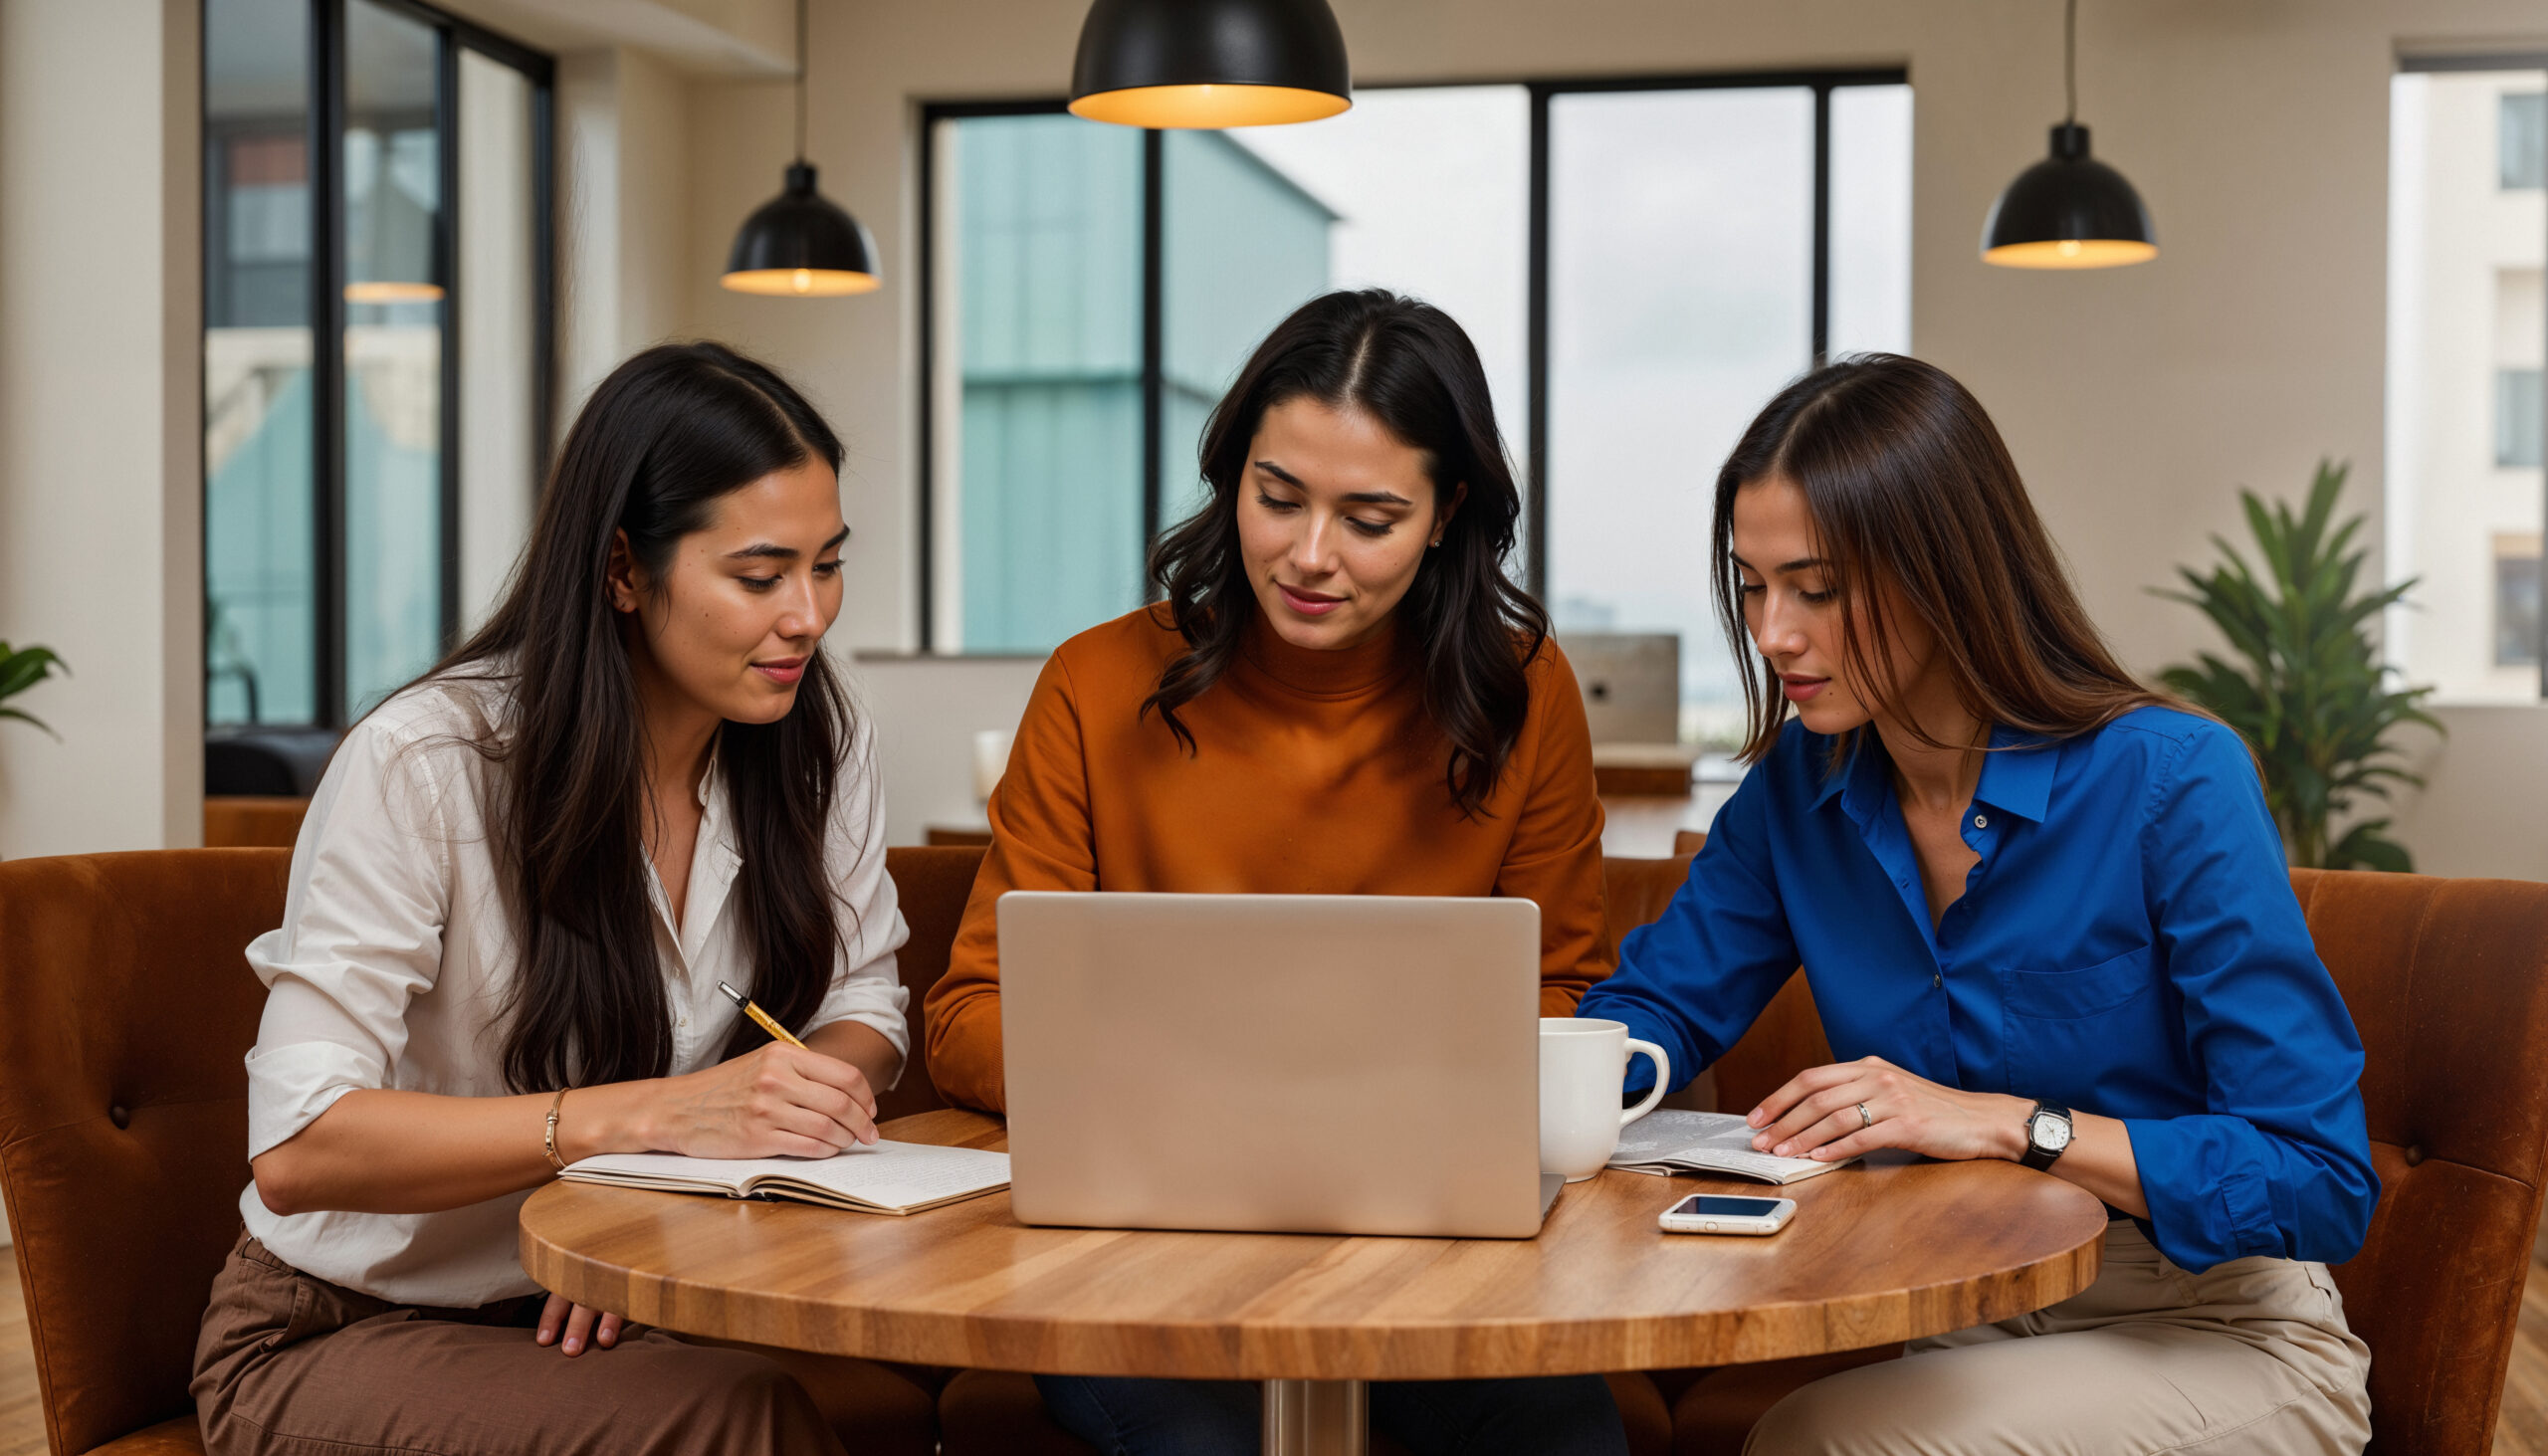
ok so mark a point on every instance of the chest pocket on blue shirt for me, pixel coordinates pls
(2065, 1029)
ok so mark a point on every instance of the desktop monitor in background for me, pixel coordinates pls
(1631, 684)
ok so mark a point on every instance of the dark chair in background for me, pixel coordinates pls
(257, 783)
(267, 763)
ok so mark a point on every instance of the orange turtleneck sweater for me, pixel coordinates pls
(1314, 773)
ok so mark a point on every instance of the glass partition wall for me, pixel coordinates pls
(377, 288)
(1640, 264)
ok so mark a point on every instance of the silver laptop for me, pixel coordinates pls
(1335, 1064)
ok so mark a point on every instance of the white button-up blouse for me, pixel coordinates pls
(397, 955)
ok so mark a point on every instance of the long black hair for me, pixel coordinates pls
(1410, 367)
(664, 438)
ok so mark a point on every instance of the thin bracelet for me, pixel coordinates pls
(549, 1138)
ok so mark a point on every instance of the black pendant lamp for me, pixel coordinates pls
(2069, 210)
(798, 245)
(1211, 62)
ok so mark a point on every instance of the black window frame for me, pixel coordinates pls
(1821, 81)
(327, 77)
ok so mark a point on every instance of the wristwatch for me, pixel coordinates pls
(2047, 1133)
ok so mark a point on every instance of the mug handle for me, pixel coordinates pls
(1662, 1076)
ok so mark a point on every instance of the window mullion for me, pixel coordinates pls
(1536, 507)
(328, 354)
(1822, 223)
(1153, 339)
(446, 266)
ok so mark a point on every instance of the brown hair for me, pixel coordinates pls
(1908, 484)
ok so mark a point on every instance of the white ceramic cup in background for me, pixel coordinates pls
(1581, 1063)
(990, 761)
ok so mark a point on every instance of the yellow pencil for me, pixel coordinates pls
(759, 1017)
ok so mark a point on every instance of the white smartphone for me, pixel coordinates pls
(1718, 1213)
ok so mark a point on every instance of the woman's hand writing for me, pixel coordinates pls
(1815, 1114)
(777, 1100)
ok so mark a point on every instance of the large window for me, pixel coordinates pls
(2468, 336)
(1705, 244)
(1641, 266)
(376, 257)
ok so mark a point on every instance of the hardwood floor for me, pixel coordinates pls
(21, 1418)
(2523, 1430)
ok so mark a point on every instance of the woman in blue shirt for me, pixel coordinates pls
(2045, 918)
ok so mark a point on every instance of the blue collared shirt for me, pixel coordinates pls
(2128, 946)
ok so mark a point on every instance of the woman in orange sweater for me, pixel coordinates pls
(1342, 693)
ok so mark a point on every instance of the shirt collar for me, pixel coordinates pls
(1857, 777)
(2017, 779)
(709, 781)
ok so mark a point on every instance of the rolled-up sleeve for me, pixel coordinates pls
(1696, 979)
(866, 984)
(2280, 1163)
(361, 935)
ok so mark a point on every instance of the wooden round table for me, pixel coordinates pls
(1874, 1256)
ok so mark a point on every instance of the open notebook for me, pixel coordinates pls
(1677, 1141)
(888, 1178)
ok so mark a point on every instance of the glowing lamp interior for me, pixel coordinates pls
(387, 290)
(2071, 252)
(1187, 107)
(799, 283)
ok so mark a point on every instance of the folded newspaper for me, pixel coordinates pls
(1670, 1141)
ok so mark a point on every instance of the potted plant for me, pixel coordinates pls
(20, 669)
(2307, 690)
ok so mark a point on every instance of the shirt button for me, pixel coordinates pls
(683, 1023)
(1981, 821)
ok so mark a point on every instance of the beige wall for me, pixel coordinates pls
(100, 478)
(623, 256)
(2136, 401)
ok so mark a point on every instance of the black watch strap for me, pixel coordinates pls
(2039, 1155)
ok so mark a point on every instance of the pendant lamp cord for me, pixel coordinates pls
(2069, 60)
(801, 77)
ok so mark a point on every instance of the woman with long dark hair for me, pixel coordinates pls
(1343, 692)
(2045, 916)
(516, 890)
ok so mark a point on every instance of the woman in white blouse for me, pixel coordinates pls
(516, 892)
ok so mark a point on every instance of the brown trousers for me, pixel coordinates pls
(287, 1364)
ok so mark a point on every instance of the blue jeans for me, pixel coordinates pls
(1547, 1415)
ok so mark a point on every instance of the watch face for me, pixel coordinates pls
(2051, 1134)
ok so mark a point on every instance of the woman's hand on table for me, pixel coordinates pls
(575, 1328)
(1815, 1114)
(774, 1101)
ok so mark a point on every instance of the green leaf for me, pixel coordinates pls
(2306, 690)
(2364, 846)
(24, 717)
(23, 669)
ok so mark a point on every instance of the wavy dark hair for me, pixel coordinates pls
(1412, 368)
(1909, 485)
(670, 433)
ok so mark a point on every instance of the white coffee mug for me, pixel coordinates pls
(990, 761)
(1581, 1063)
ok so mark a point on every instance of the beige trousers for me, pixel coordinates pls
(2249, 1358)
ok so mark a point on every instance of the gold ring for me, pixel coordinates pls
(1864, 1120)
